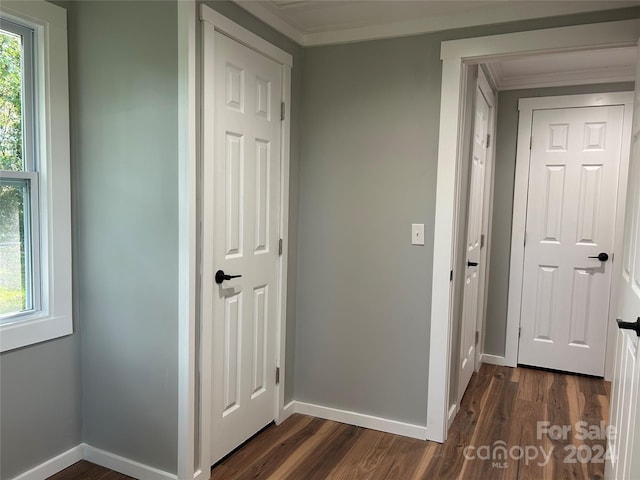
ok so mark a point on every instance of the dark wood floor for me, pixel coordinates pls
(501, 408)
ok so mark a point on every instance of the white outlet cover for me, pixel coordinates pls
(417, 234)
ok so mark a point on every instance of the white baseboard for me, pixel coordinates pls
(494, 360)
(124, 465)
(99, 457)
(53, 465)
(453, 411)
(360, 420)
(144, 472)
(287, 411)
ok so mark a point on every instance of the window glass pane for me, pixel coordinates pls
(15, 271)
(11, 73)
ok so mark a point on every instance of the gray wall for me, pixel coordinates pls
(506, 142)
(368, 160)
(39, 404)
(367, 171)
(124, 97)
(242, 17)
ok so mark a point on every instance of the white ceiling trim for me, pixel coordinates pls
(505, 13)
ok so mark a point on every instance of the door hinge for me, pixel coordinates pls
(283, 109)
(519, 331)
(488, 140)
(525, 239)
(277, 375)
(482, 240)
(280, 247)
(451, 276)
(530, 142)
(477, 337)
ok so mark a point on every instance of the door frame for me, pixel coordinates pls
(456, 55)
(526, 107)
(212, 22)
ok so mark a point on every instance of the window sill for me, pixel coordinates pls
(33, 329)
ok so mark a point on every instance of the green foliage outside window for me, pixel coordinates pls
(12, 244)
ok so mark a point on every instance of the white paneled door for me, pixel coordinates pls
(472, 303)
(570, 229)
(623, 459)
(244, 174)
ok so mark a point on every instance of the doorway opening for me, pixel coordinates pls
(458, 58)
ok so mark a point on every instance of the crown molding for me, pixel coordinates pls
(501, 14)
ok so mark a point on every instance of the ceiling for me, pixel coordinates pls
(321, 22)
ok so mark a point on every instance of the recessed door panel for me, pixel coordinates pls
(546, 302)
(589, 204)
(232, 352)
(234, 188)
(553, 200)
(263, 182)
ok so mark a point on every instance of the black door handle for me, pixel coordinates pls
(602, 256)
(630, 325)
(472, 264)
(221, 276)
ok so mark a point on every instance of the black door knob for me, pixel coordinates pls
(472, 264)
(221, 276)
(602, 256)
(635, 326)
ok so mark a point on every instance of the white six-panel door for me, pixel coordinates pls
(242, 186)
(623, 459)
(571, 211)
(471, 298)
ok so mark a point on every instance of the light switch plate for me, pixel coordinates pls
(417, 234)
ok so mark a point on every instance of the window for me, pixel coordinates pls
(19, 280)
(35, 232)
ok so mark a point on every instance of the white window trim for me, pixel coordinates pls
(54, 318)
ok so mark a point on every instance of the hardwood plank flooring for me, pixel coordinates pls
(496, 435)
(84, 470)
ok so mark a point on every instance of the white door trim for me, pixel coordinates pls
(213, 22)
(455, 54)
(526, 106)
(188, 98)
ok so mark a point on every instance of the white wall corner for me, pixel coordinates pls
(103, 458)
(288, 410)
(53, 465)
(124, 465)
(494, 360)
